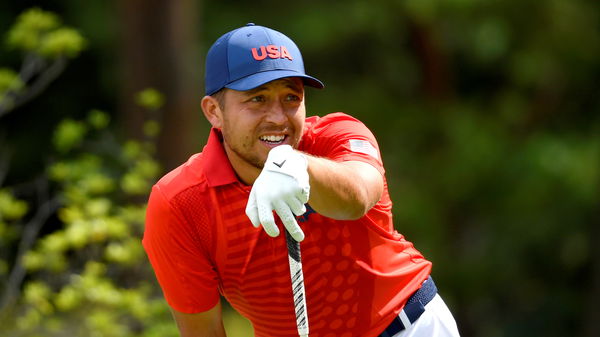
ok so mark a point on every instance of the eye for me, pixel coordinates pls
(292, 98)
(259, 98)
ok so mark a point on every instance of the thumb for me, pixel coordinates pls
(252, 211)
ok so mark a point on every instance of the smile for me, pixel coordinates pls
(273, 139)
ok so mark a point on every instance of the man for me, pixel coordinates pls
(211, 229)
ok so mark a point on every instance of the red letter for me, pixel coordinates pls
(273, 51)
(262, 56)
(285, 53)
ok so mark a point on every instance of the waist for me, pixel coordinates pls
(413, 309)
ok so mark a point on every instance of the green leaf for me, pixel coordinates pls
(134, 184)
(9, 81)
(68, 299)
(33, 260)
(62, 42)
(97, 183)
(98, 119)
(68, 135)
(26, 33)
(150, 98)
(38, 294)
(10, 207)
(132, 150)
(151, 128)
(97, 208)
(78, 234)
(128, 252)
(60, 171)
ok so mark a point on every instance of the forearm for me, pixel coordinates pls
(205, 324)
(343, 190)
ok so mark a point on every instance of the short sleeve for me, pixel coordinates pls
(182, 266)
(341, 137)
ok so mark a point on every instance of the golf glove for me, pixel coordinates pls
(283, 187)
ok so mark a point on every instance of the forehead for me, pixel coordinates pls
(293, 83)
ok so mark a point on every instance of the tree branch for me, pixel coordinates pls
(42, 81)
(33, 68)
(47, 207)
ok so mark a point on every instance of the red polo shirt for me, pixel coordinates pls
(358, 274)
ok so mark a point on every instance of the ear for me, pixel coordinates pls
(212, 111)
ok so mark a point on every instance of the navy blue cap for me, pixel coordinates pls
(251, 56)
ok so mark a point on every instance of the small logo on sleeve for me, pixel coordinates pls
(363, 146)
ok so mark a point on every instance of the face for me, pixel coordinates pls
(253, 122)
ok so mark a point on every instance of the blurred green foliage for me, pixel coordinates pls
(41, 32)
(150, 98)
(86, 275)
(9, 81)
(46, 45)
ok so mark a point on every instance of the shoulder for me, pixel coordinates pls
(341, 137)
(316, 124)
(186, 176)
(177, 203)
(334, 128)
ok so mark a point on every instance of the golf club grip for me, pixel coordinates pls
(298, 290)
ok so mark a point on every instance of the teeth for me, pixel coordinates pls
(273, 139)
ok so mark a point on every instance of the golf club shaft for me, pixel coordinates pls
(298, 290)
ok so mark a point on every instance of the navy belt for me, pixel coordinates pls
(415, 306)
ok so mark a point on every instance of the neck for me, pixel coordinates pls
(246, 172)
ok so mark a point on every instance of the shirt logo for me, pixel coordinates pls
(363, 146)
(272, 52)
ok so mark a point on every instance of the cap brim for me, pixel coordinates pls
(258, 79)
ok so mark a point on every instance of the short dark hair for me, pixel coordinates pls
(220, 97)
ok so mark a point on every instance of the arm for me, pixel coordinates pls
(177, 255)
(204, 324)
(343, 190)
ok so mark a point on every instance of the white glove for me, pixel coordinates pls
(283, 187)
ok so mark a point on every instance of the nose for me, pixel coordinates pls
(276, 113)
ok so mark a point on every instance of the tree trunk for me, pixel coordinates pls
(160, 49)
(434, 63)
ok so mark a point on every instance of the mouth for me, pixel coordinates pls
(273, 140)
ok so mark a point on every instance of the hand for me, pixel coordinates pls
(283, 187)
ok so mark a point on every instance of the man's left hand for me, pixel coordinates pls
(283, 187)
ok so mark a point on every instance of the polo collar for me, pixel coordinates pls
(217, 168)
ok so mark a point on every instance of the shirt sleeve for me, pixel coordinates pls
(182, 266)
(341, 137)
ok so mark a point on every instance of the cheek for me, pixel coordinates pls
(241, 129)
(298, 121)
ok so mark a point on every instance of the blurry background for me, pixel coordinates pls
(487, 114)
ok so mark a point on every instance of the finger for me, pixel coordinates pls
(303, 194)
(295, 205)
(265, 214)
(288, 219)
(252, 211)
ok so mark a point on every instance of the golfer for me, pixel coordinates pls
(215, 225)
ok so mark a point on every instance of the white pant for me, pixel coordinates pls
(436, 321)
